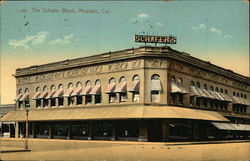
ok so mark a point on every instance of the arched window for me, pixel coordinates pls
(70, 85)
(245, 96)
(211, 88)
(26, 90)
(155, 77)
(234, 94)
(60, 86)
(179, 81)
(135, 77)
(216, 89)
(45, 88)
(20, 91)
(225, 91)
(192, 83)
(122, 79)
(53, 87)
(172, 79)
(79, 84)
(221, 90)
(238, 95)
(198, 84)
(98, 82)
(205, 86)
(38, 89)
(88, 83)
(112, 80)
(241, 95)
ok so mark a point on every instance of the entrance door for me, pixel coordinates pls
(154, 130)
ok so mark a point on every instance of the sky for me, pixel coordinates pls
(39, 32)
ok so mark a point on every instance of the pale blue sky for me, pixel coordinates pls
(216, 31)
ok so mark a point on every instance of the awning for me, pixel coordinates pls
(156, 85)
(86, 90)
(118, 112)
(36, 95)
(68, 92)
(25, 97)
(135, 86)
(208, 94)
(77, 91)
(122, 87)
(51, 93)
(43, 94)
(96, 90)
(242, 101)
(226, 97)
(58, 93)
(219, 96)
(110, 88)
(231, 126)
(177, 88)
(195, 91)
(18, 96)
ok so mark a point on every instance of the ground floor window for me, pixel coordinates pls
(103, 128)
(80, 129)
(60, 129)
(127, 129)
(41, 128)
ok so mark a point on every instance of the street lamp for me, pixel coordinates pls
(27, 109)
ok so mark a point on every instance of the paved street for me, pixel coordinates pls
(127, 151)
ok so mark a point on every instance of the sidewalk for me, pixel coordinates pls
(13, 149)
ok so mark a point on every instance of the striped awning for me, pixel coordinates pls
(177, 88)
(208, 94)
(18, 96)
(77, 91)
(96, 90)
(122, 87)
(156, 85)
(43, 95)
(51, 93)
(58, 93)
(110, 88)
(195, 91)
(135, 86)
(68, 92)
(25, 97)
(242, 101)
(36, 95)
(231, 126)
(86, 90)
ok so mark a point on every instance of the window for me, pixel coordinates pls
(192, 83)
(38, 103)
(70, 101)
(172, 79)
(205, 87)
(135, 89)
(45, 103)
(20, 104)
(221, 90)
(179, 81)
(123, 97)
(78, 100)
(122, 90)
(245, 96)
(225, 91)
(234, 94)
(60, 101)
(198, 84)
(97, 92)
(211, 88)
(53, 102)
(216, 89)
(88, 99)
(155, 88)
(238, 95)
(241, 95)
(136, 96)
(112, 97)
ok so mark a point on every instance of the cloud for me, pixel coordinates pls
(227, 36)
(142, 16)
(28, 41)
(200, 27)
(62, 41)
(212, 29)
(159, 24)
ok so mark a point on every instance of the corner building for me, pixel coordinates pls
(138, 94)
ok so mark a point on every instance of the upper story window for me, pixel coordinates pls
(216, 89)
(135, 88)
(76, 92)
(198, 84)
(221, 90)
(86, 92)
(110, 90)
(179, 81)
(238, 95)
(234, 94)
(25, 98)
(192, 83)
(245, 96)
(155, 88)
(211, 88)
(18, 97)
(68, 93)
(225, 91)
(36, 97)
(205, 87)
(122, 90)
(241, 95)
(97, 92)
(172, 79)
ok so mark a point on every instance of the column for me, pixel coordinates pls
(16, 129)
(186, 100)
(92, 99)
(90, 130)
(143, 131)
(83, 100)
(57, 102)
(130, 97)
(49, 105)
(74, 100)
(69, 130)
(230, 107)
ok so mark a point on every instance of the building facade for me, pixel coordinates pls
(140, 94)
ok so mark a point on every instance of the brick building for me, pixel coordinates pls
(142, 94)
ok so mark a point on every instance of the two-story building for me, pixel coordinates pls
(141, 94)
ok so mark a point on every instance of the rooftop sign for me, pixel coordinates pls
(155, 39)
